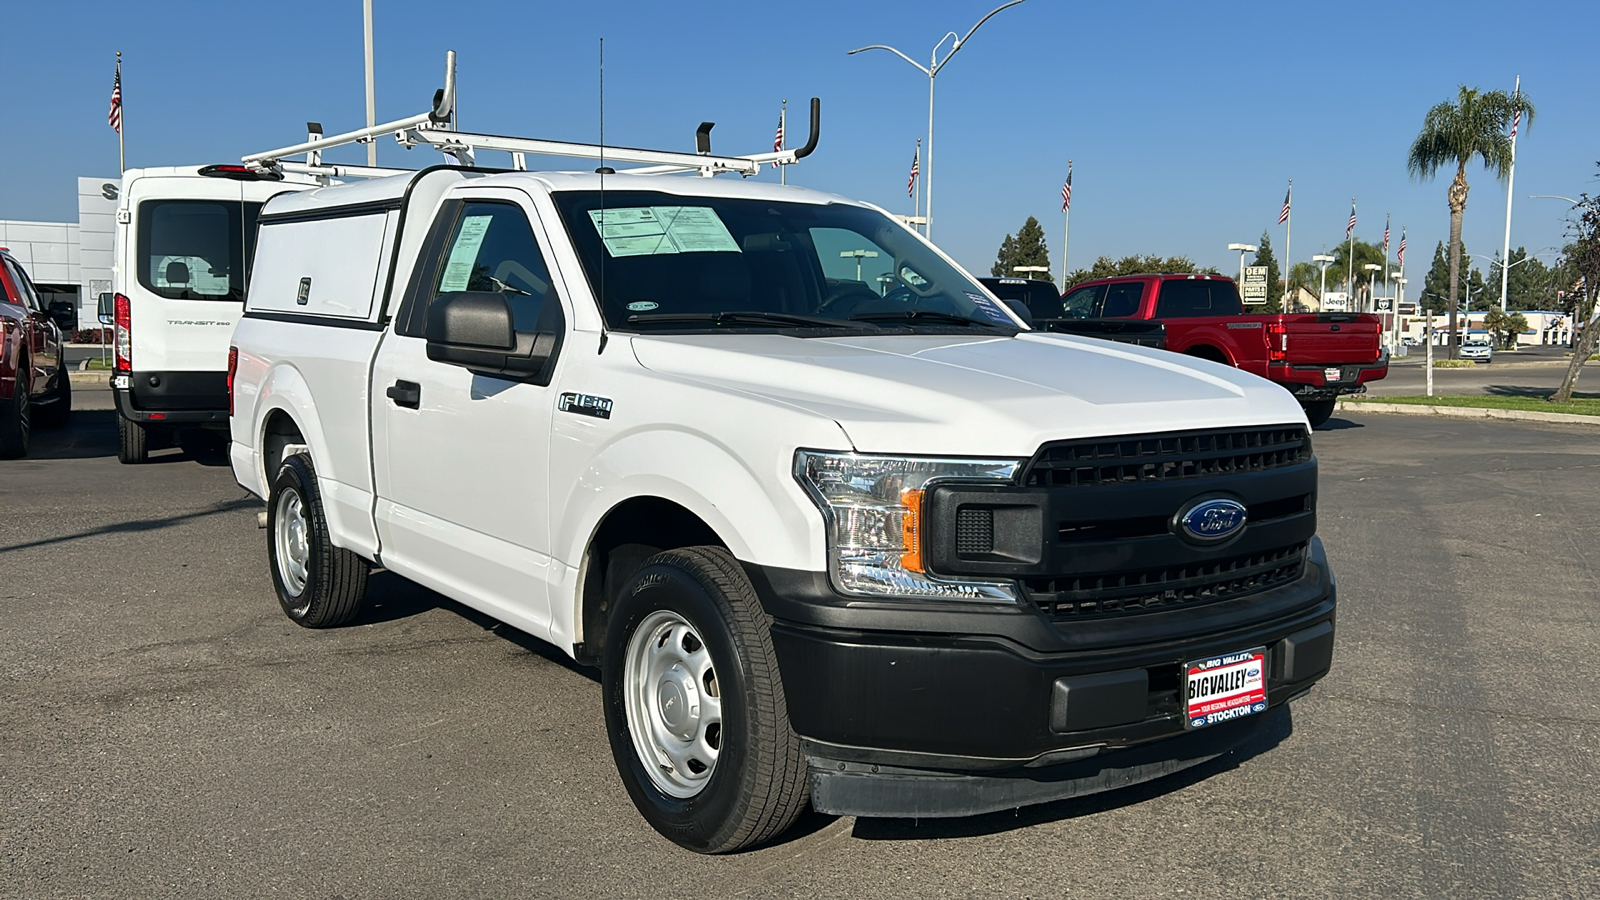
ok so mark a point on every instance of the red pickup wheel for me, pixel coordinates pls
(1318, 411)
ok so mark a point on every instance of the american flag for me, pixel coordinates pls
(1385, 235)
(1066, 190)
(1284, 215)
(916, 168)
(777, 139)
(1348, 229)
(1515, 120)
(114, 117)
(1401, 257)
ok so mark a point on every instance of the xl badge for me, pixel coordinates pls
(1214, 520)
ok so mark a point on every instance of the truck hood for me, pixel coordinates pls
(974, 395)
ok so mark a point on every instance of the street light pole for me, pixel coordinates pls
(1243, 249)
(1372, 283)
(1323, 260)
(932, 71)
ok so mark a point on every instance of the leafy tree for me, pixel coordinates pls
(1264, 257)
(1340, 269)
(1527, 280)
(1027, 248)
(1505, 326)
(1583, 255)
(1106, 267)
(1472, 127)
(1436, 287)
(1305, 275)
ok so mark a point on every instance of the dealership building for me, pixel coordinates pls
(70, 260)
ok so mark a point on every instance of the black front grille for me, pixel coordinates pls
(974, 531)
(1149, 590)
(1167, 457)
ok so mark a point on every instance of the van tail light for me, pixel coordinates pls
(233, 366)
(124, 340)
(1277, 342)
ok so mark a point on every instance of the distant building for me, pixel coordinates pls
(70, 260)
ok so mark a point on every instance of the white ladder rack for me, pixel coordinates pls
(432, 128)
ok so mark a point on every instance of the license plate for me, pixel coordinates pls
(1330, 374)
(1223, 688)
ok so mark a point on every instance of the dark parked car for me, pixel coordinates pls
(34, 387)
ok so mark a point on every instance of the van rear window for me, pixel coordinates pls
(196, 249)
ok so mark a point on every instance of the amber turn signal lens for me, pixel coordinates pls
(911, 530)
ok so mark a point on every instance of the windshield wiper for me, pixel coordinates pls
(741, 317)
(924, 316)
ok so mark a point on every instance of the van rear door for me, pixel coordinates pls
(189, 251)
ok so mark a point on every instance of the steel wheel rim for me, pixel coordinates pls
(292, 548)
(674, 704)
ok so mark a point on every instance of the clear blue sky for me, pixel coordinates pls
(1185, 123)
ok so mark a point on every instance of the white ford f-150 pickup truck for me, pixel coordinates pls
(837, 527)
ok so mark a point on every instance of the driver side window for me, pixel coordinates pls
(492, 249)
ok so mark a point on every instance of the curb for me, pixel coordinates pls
(1467, 412)
(99, 377)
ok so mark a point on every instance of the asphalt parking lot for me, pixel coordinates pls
(168, 732)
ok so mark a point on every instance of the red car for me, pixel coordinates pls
(34, 386)
(1315, 356)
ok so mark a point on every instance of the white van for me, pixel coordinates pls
(184, 244)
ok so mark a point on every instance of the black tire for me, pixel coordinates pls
(133, 443)
(757, 787)
(327, 590)
(1319, 411)
(16, 427)
(56, 413)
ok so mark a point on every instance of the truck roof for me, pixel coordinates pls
(376, 190)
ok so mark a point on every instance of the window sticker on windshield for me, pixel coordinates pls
(651, 230)
(988, 308)
(464, 254)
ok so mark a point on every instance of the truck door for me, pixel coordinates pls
(461, 457)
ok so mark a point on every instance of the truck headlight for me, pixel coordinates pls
(872, 506)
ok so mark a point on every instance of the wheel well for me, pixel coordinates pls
(637, 529)
(280, 433)
(1206, 351)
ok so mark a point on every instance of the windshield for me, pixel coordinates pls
(666, 262)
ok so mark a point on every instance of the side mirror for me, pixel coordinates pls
(1020, 310)
(65, 312)
(108, 308)
(476, 330)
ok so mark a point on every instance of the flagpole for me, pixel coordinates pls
(1350, 254)
(916, 202)
(1288, 244)
(1511, 178)
(783, 126)
(1066, 230)
(122, 120)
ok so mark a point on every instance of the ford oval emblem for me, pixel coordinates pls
(1212, 520)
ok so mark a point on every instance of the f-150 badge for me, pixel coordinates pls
(585, 405)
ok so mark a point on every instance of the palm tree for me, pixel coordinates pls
(1474, 125)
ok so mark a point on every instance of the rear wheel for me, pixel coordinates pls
(1319, 411)
(694, 705)
(15, 426)
(319, 585)
(133, 442)
(56, 413)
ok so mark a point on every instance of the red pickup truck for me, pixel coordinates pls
(1315, 356)
(34, 387)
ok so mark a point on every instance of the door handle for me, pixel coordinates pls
(405, 393)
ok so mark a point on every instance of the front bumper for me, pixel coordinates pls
(924, 709)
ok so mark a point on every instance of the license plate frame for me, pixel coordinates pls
(1230, 686)
(1332, 374)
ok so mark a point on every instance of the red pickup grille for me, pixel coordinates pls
(1166, 457)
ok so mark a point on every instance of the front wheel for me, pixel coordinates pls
(694, 706)
(1319, 411)
(319, 585)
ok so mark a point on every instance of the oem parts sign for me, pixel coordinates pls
(1254, 288)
